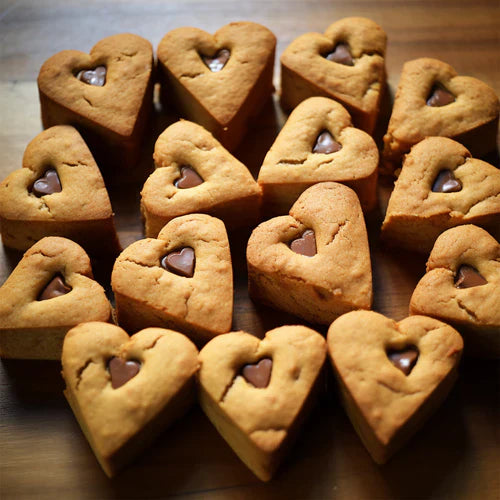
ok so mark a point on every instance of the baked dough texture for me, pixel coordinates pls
(385, 406)
(305, 72)
(223, 102)
(119, 423)
(261, 423)
(81, 211)
(473, 311)
(290, 166)
(228, 191)
(320, 288)
(34, 329)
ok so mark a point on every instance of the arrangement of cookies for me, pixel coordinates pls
(132, 371)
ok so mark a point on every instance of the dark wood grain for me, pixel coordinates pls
(43, 453)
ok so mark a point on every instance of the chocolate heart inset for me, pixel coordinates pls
(326, 144)
(96, 77)
(122, 371)
(258, 374)
(439, 96)
(189, 178)
(55, 288)
(181, 262)
(446, 182)
(218, 61)
(467, 277)
(306, 244)
(341, 54)
(49, 183)
(405, 359)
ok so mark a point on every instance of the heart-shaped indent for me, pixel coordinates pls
(326, 144)
(218, 61)
(305, 244)
(439, 96)
(404, 359)
(55, 288)
(180, 262)
(189, 178)
(341, 54)
(468, 276)
(49, 183)
(95, 76)
(122, 371)
(446, 182)
(258, 374)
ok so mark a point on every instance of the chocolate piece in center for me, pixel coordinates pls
(55, 288)
(446, 182)
(325, 143)
(49, 183)
(258, 374)
(95, 76)
(405, 360)
(189, 178)
(439, 96)
(305, 244)
(122, 371)
(467, 277)
(181, 262)
(217, 62)
(341, 54)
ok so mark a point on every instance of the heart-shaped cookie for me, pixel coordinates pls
(468, 113)
(345, 64)
(258, 392)
(150, 292)
(185, 154)
(58, 192)
(50, 291)
(392, 376)
(108, 94)
(221, 92)
(125, 390)
(462, 287)
(318, 143)
(319, 287)
(441, 186)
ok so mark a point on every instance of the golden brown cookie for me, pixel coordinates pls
(49, 292)
(318, 143)
(440, 186)
(315, 262)
(125, 390)
(346, 64)
(462, 287)
(194, 173)
(58, 192)
(219, 81)
(432, 100)
(107, 95)
(258, 392)
(392, 376)
(183, 280)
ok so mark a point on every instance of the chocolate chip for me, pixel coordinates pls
(439, 96)
(55, 288)
(446, 182)
(181, 262)
(122, 371)
(405, 359)
(341, 54)
(189, 178)
(218, 61)
(305, 244)
(95, 76)
(467, 277)
(49, 183)
(325, 143)
(258, 374)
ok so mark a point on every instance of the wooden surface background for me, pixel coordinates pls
(43, 453)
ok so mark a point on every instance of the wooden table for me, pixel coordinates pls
(43, 453)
